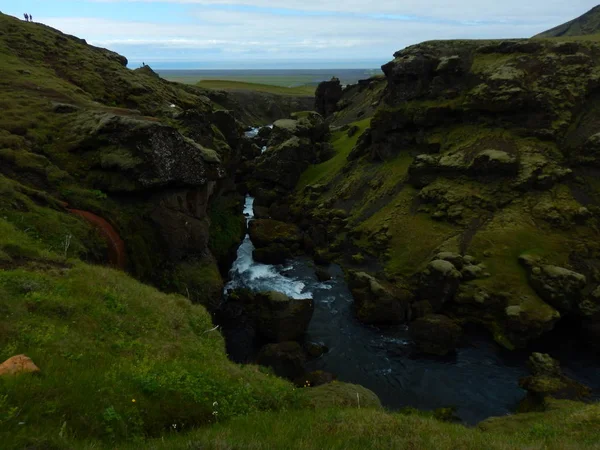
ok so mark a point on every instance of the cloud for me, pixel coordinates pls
(480, 10)
(309, 29)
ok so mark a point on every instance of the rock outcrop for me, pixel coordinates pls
(479, 151)
(548, 381)
(435, 334)
(327, 96)
(377, 303)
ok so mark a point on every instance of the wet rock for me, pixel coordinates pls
(547, 380)
(18, 364)
(435, 334)
(287, 359)
(438, 283)
(327, 95)
(315, 349)
(275, 241)
(280, 318)
(322, 274)
(376, 302)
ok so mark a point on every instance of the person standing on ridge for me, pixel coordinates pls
(30, 18)
(26, 17)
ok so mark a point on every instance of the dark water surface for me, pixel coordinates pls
(480, 381)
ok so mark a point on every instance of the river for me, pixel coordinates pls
(480, 381)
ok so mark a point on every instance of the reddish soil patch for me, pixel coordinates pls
(116, 246)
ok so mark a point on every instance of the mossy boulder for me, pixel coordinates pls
(376, 302)
(560, 287)
(435, 334)
(547, 380)
(438, 283)
(275, 241)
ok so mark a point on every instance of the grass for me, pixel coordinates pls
(119, 360)
(234, 85)
(566, 425)
(326, 171)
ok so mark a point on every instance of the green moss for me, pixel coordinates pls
(324, 172)
(227, 227)
(119, 360)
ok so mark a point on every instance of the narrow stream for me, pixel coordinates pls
(480, 381)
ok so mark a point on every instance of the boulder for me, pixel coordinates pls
(547, 380)
(274, 241)
(327, 95)
(376, 302)
(280, 318)
(435, 334)
(287, 359)
(18, 364)
(438, 283)
(322, 274)
(494, 162)
(559, 287)
(315, 349)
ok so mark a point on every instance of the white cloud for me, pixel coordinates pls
(215, 33)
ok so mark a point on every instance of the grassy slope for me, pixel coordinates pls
(119, 359)
(259, 87)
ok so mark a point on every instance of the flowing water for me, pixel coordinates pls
(480, 381)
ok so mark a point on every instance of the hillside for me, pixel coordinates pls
(120, 214)
(470, 191)
(588, 23)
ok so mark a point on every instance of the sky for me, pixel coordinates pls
(255, 34)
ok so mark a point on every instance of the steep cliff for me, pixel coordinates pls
(80, 131)
(472, 186)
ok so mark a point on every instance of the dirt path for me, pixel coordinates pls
(116, 246)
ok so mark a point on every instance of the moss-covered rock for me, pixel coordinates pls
(547, 380)
(376, 302)
(435, 334)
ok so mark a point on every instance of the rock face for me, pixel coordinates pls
(547, 380)
(435, 334)
(481, 151)
(17, 365)
(274, 241)
(270, 315)
(327, 96)
(376, 303)
(292, 146)
(287, 359)
(280, 318)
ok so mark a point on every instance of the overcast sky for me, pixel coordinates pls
(296, 33)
